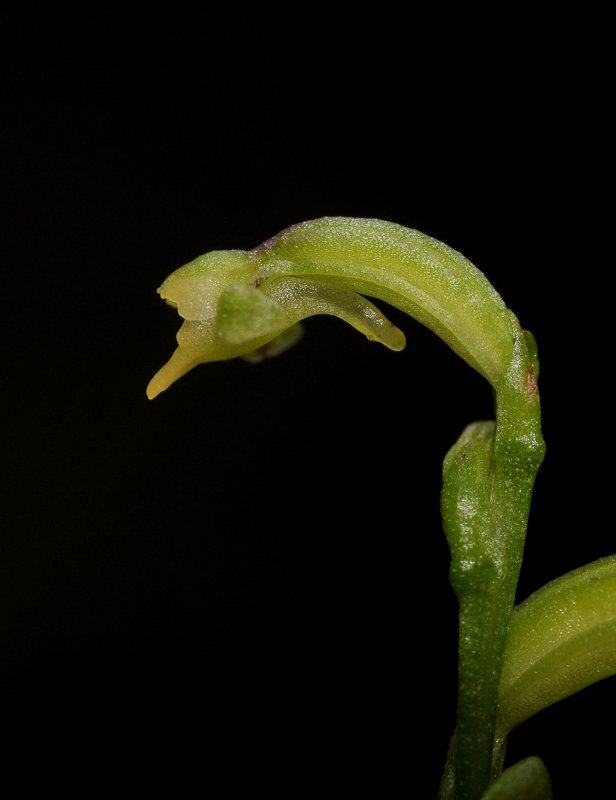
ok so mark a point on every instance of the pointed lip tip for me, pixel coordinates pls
(151, 391)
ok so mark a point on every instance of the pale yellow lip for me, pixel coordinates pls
(181, 362)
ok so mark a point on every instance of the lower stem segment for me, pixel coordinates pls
(488, 480)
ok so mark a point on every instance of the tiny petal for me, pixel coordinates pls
(303, 298)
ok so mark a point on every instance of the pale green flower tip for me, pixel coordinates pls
(195, 288)
(234, 265)
(221, 322)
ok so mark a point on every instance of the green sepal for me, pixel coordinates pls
(302, 298)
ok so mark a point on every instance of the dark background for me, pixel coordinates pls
(246, 579)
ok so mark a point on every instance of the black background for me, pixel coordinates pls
(246, 578)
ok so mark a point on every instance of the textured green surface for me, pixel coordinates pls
(526, 780)
(561, 639)
(324, 267)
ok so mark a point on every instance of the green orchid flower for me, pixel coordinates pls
(238, 303)
(232, 309)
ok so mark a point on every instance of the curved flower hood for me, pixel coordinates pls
(250, 303)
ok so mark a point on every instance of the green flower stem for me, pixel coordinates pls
(488, 478)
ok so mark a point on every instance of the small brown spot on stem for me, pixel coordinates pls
(530, 382)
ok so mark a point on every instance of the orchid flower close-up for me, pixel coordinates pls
(237, 313)
(510, 665)
(249, 303)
